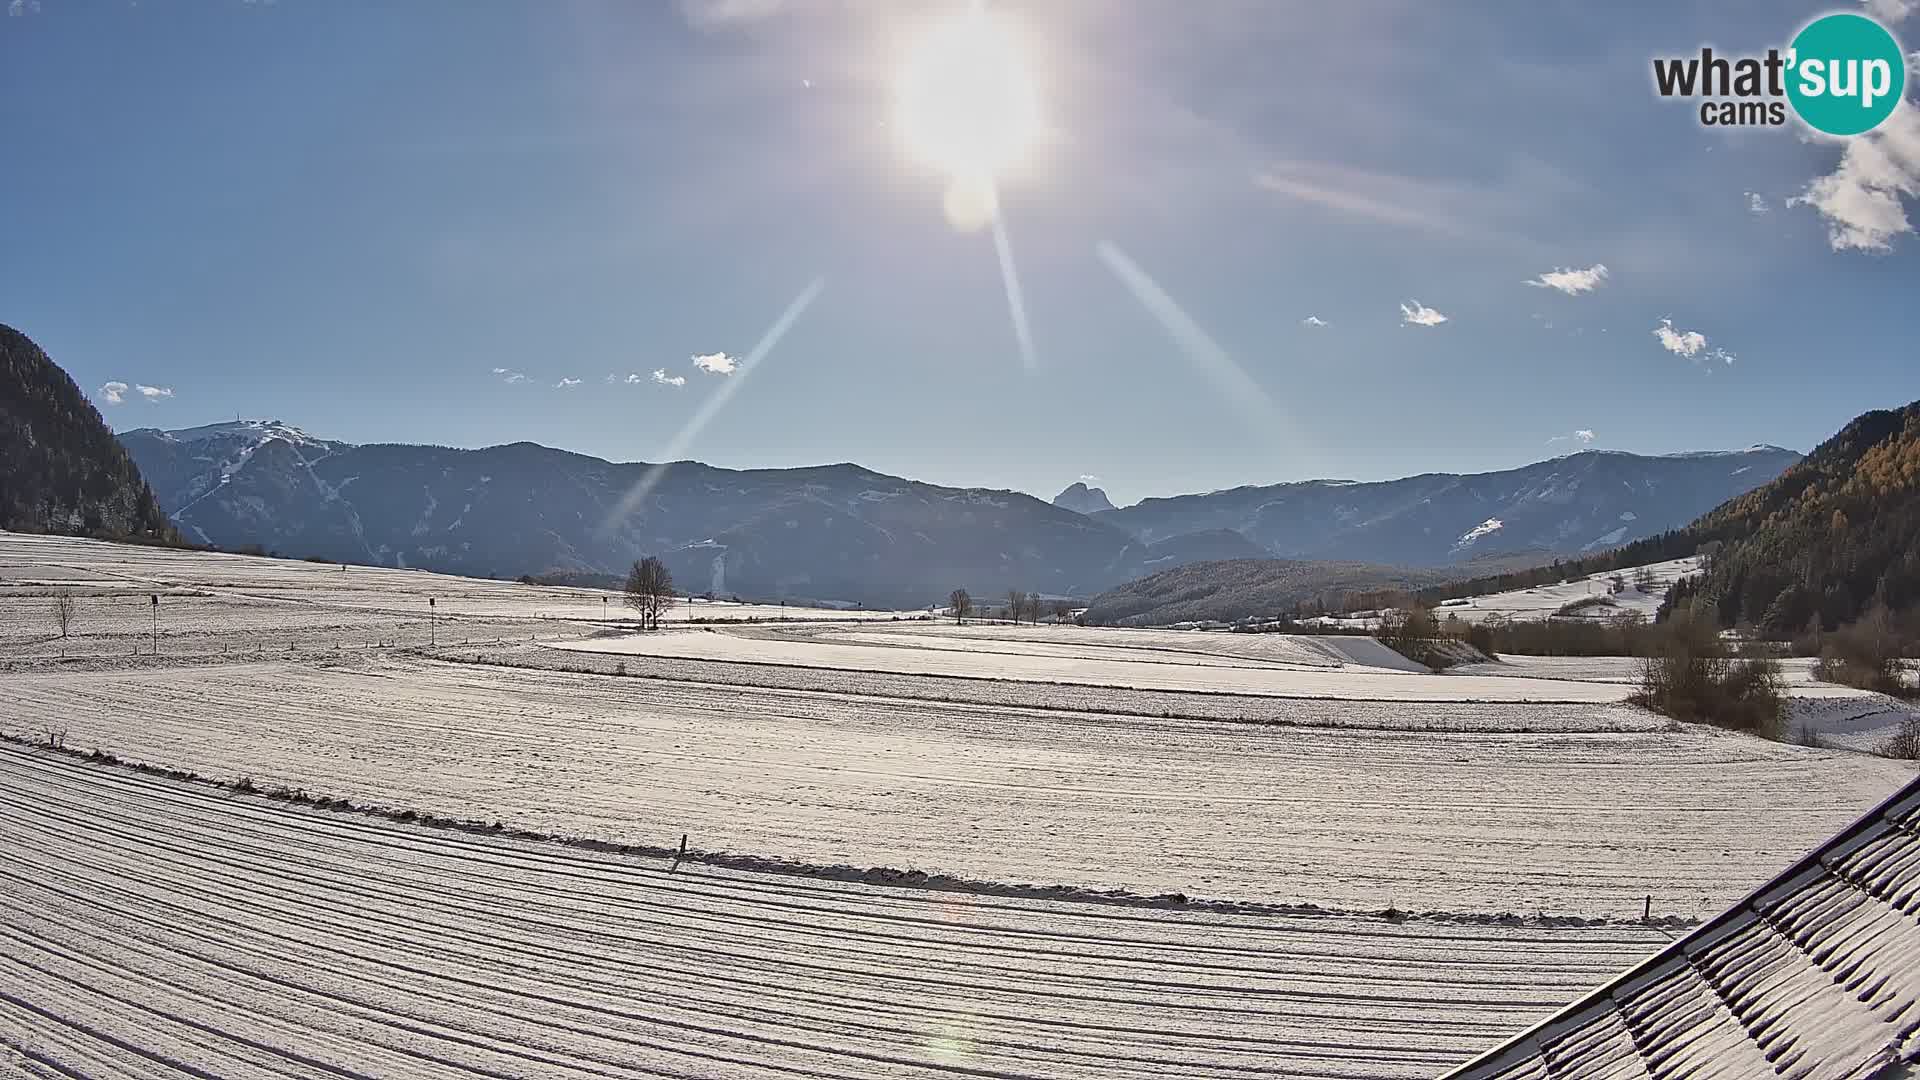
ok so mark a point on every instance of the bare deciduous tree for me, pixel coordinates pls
(63, 612)
(649, 591)
(960, 604)
(1062, 610)
(1016, 604)
(1033, 608)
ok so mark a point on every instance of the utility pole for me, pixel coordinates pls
(153, 601)
(433, 625)
(603, 611)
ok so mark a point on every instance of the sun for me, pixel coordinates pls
(966, 102)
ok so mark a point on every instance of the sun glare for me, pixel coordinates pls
(967, 106)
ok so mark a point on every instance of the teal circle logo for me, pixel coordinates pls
(1845, 74)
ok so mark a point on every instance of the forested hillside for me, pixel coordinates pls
(64, 472)
(1834, 536)
(1829, 539)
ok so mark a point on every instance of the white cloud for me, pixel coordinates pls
(1687, 343)
(611, 378)
(660, 376)
(509, 376)
(1570, 281)
(1861, 199)
(23, 7)
(1582, 436)
(1089, 478)
(1418, 314)
(1691, 344)
(114, 392)
(1892, 11)
(566, 382)
(1313, 320)
(716, 363)
(1756, 203)
(499, 371)
(154, 393)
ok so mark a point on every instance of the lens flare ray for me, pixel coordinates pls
(1016, 299)
(710, 408)
(1247, 397)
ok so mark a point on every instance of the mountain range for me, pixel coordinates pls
(846, 534)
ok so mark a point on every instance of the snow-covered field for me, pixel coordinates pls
(1561, 822)
(1538, 603)
(153, 928)
(158, 927)
(210, 602)
(1086, 657)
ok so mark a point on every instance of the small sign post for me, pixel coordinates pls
(433, 625)
(153, 601)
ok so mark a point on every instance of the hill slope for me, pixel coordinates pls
(1239, 588)
(1831, 537)
(63, 472)
(1583, 502)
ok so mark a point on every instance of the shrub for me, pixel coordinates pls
(1864, 654)
(1575, 607)
(1689, 676)
(1904, 743)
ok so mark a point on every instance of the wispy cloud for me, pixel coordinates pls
(508, 375)
(566, 382)
(1691, 344)
(1313, 320)
(718, 363)
(660, 376)
(1089, 478)
(1861, 200)
(154, 393)
(1570, 281)
(114, 392)
(719, 14)
(23, 7)
(1383, 199)
(1418, 314)
(1583, 436)
(1756, 203)
(1892, 11)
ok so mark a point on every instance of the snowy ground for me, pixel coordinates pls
(1538, 603)
(212, 602)
(1561, 822)
(1087, 657)
(150, 927)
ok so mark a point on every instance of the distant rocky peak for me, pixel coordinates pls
(1081, 499)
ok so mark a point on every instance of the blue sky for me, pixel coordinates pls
(348, 215)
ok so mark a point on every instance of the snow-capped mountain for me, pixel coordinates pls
(1578, 503)
(842, 532)
(833, 532)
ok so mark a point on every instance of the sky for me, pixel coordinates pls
(1250, 241)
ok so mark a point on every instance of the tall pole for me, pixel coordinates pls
(433, 625)
(154, 603)
(603, 611)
